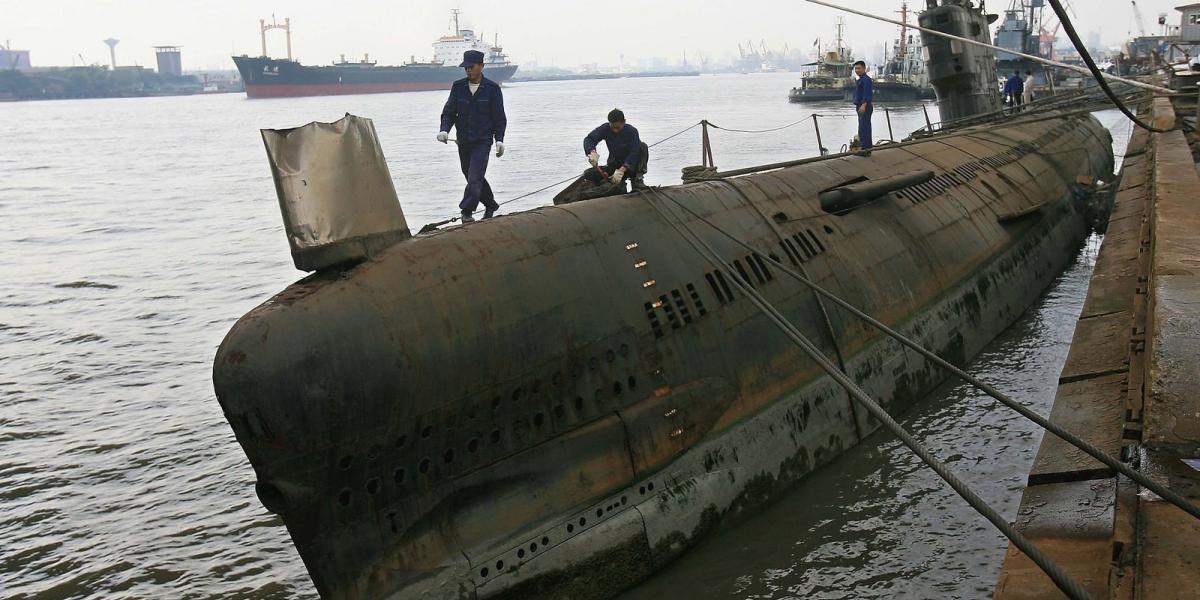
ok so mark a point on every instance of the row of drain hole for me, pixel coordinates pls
(799, 248)
(400, 474)
(570, 528)
(965, 172)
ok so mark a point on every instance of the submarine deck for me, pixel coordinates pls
(1128, 386)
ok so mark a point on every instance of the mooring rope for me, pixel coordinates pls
(1064, 582)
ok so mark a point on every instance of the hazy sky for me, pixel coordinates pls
(560, 33)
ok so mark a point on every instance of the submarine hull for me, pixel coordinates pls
(562, 400)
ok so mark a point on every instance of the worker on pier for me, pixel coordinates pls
(864, 105)
(627, 155)
(1027, 88)
(476, 111)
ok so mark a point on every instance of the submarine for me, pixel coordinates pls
(558, 402)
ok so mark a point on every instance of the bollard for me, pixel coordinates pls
(820, 145)
(706, 157)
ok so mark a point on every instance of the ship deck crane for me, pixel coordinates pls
(263, 28)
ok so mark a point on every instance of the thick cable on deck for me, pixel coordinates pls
(1064, 582)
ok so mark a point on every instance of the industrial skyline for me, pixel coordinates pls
(551, 34)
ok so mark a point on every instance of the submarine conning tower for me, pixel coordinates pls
(963, 75)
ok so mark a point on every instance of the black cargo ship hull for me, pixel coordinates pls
(273, 78)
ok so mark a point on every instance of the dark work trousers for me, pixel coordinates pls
(864, 127)
(474, 159)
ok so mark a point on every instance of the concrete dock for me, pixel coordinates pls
(1131, 386)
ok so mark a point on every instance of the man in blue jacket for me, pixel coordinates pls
(476, 111)
(864, 106)
(625, 150)
(1014, 88)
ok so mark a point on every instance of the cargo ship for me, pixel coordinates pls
(267, 77)
(558, 402)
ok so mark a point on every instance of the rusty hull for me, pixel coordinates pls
(560, 401)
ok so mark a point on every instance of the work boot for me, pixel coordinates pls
(638, 184)
(489, 213)
(467, 218)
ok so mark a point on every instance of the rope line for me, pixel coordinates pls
(1064, 582)
(781, 127)
(1141, 479)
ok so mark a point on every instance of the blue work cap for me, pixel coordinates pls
(472, 57)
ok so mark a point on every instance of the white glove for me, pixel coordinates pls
(618, 175)
(499, 149)
(443, 136)
(594, 158)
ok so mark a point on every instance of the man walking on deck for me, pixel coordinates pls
(864, 105)
(626, 152)
(476, 111)
(1014, 87)
(1027, 88)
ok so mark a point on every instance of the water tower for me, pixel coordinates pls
(112, 51)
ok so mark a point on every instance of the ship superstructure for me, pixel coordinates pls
(1022, 30)
(448, 50)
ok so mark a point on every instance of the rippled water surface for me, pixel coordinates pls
(135, 231)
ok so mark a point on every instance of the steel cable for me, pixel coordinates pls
(1064, 582)
(1166, 493)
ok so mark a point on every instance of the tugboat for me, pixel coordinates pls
(902, 77)
(557, 402)
(832, 73)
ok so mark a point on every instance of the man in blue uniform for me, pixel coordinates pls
(626, 152)
(1014, 88)
(864, 106)
(476, 111)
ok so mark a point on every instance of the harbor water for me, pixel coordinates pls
(136, 231)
